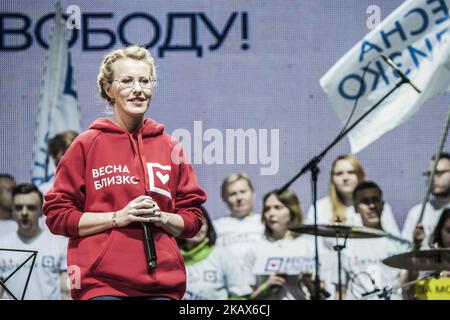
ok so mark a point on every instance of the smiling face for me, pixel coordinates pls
(130, 103)
(369, 204)
(276, 216)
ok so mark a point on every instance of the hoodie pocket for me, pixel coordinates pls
(103, 252)
(175, 250)
(124, 261)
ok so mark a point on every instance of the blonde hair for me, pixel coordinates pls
(106, 77)
(232, 178)
(338, 207)
(290, 200)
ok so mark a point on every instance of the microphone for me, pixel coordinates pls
(402, 75)
(149, 244)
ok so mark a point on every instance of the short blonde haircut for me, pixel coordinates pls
(106, 77)
(232, 178)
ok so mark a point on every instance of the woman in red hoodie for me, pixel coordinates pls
(116, 176)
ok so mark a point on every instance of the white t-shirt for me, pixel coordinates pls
(433, 211)
(290, 256)
(325, 214)
(239, 235)
(217, 277)
(362, 260)
(7, 226)
(10, 225)
(44, 283)
(44, 188)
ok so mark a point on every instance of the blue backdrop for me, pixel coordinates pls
(251, 65)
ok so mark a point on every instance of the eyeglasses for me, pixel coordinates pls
(127, 82)
(437, 173)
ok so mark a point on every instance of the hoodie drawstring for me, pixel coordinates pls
(137, 157)
(141, 155)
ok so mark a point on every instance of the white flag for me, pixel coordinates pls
(58, 109)
(416, 36)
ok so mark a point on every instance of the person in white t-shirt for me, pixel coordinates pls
(7, 184)
(48, 279)
(212, 272)
(440, 199)
(276, 265)
(440, 238)
(242, 228)
(367, 275)
(346, 172)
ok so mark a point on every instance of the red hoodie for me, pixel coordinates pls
(103, 170)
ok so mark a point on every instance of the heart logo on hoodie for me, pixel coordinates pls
(163, 178)
(159, 176)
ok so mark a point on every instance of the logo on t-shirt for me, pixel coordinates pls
(210, 276)
(48, 262)
(274, 264)
(159, 176)
(193, 296)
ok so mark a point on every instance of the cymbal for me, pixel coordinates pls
(431, 259)
(339, 230)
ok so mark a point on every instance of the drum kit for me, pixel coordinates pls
(435, 260)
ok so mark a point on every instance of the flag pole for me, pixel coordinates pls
(57, 20)
(433, 172)
(315, 160)
(58, 109)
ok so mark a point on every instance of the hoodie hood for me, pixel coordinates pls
(149, 128)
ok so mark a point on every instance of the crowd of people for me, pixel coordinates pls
(122, 220)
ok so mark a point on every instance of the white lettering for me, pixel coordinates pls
(213, 152)
(249, 146)
(110, 180)
(133, 180)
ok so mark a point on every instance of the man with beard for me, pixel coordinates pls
(48, 280)
(439, 200)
